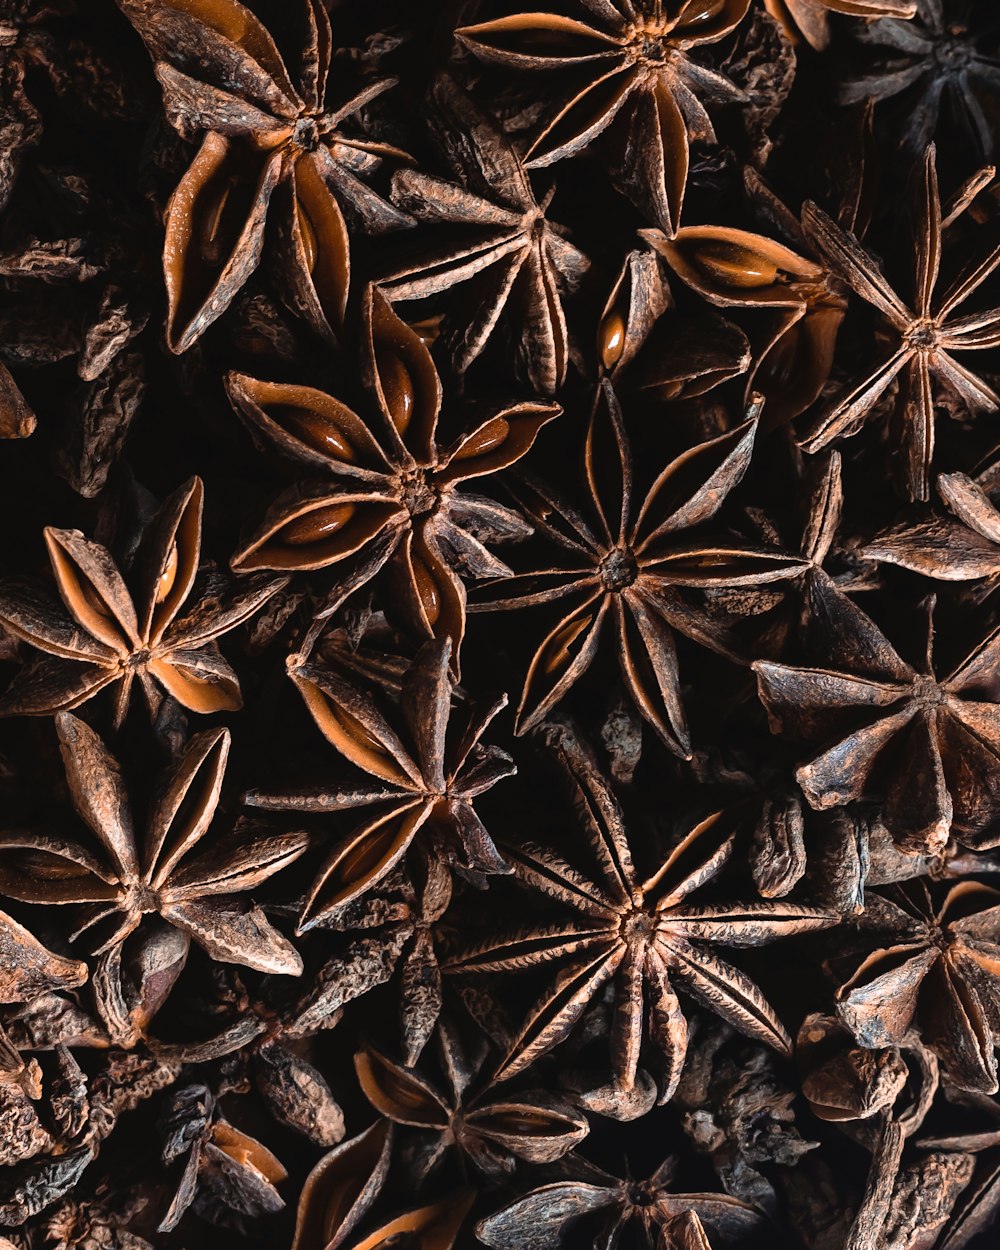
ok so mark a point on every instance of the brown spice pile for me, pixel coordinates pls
(365, 364)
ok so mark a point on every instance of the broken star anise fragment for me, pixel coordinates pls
(118, 878)
(939, 973)
(930, 744)
(629, 63)
(424, 779)
(106, 634)
(393, 500)
(810, 19)
(645, 935)
(494, 237)
(627, 568)
(268, 134)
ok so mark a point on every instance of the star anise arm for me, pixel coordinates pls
(437, 1224)
(171, 553)
(498, 442)
(186, 804)
(420, 984)
(234, 866)
(879, 1002)
(668, 1027)
(341, 1187)
(314, 244)
(552, 1017)
(955, 1026)
(92, 589)
(648, 661)
(628, 1019)
(28, 969)
(965, 283)
(724, 990)
(974, 332)
(201, 680)
(543, 1214)
(848, 258)
(194, 106)
(360, 861)
(855, 403)
(563, 656)
(36, 868)
(402, 1096)
(46, 686)
(214, 235)
(233, 931)
(98, 793)
(750, 924)
(524, 41)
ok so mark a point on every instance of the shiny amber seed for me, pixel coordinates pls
(611, 341)
(398, 389)
(492, 435)
(165, 582)
(317, 431)
(732, 265)
(427, 592)
(314, 526)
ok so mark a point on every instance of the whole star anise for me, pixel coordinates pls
(268, 133)
(495, 239)
(665, 1220)
(947, 56)
(122, 878)
(921, 340)
(929, 743)
(939, 973)
(633, 66)
(104, 635)
(394, 498)
(644, 934)
(425, 779)
(629, 570)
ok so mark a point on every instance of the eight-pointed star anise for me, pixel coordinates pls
(393, 498)
(629, 571)
(423, 781)
(119, 878)
(491, 1128)
(265, 135)
(940, 971)
(946, 56)
(922, 340)
(931, 744)
(493, 236)
(664, 1220)
(641, 933)
(637, 68)
(103, 635)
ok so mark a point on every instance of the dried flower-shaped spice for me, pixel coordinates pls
(666, 1220)
(391, 937)
(629, 571)
(123, 882)
(940, 972)
(946, 56)
(491, 1129)
(630, 62)
(644, 934)
(425, 779)
(269, 133)
(810, 18)
(393, 500)
(929, 743)
(496, 238)
(104, 635)
(922, 340)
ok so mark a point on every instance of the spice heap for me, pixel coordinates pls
(499, 639)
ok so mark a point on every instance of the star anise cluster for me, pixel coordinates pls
(499, 633)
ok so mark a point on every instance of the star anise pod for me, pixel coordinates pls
(939, 973)
(268, 133)
(341, 1188)
(491, 1128)
(390, 937)
(394, 498)
(630, 63)
(921, 341)
(493, 235)
(665, 1220)
(424, 779)
(119, 880)
(928, 743)
(104, 634)
(644, 934)
(957, 549)
(947, 56)
(627, 569)
(810, 18)
(28, 970)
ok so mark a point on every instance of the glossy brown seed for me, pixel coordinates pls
(316, 430)
(316, 525)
